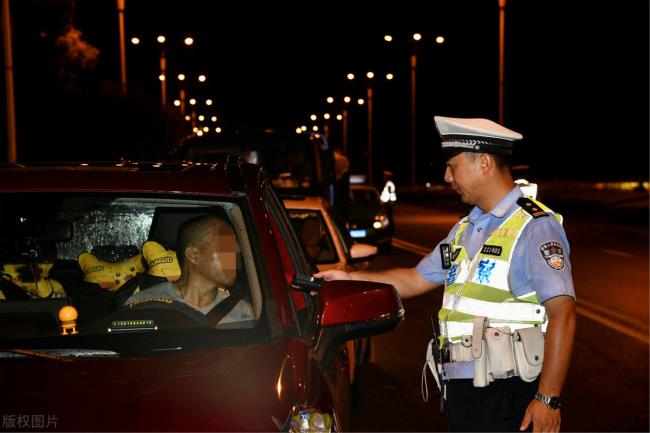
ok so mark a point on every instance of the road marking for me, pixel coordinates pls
(585, 308)
(621, 317)
(411, 247)
(618, 253)
(643, 337)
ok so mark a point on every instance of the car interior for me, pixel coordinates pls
(87, 251)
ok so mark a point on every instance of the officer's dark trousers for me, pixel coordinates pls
(499, 406)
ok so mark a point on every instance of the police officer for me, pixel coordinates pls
(507, 261)
(388, 196)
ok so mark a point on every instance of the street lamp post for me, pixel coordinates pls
(120, 12)
(163, 71)
(502, 30)
(415, 39)
(414, 61)
(344, 125)
(370, 98)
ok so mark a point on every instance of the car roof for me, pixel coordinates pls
(220, 178)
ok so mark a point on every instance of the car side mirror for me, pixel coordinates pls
(354, 309)
(361, 252)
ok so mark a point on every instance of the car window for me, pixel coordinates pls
(94, 252)
(316, 239)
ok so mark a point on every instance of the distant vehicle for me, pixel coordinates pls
(296, 163)
(77, 240)
(368, 220)
(326, 241)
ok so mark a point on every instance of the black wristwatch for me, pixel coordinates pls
(551, 401)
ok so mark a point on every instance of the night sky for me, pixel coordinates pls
(576, 75)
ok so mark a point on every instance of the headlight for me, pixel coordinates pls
(381, 222)
(309, 419)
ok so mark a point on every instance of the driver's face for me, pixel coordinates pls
(219, 254)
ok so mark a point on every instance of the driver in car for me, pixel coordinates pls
(207, 251)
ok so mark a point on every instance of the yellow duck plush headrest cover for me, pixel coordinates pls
(109, 275)
(161, 262)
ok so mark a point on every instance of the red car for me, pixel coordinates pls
(76, 354)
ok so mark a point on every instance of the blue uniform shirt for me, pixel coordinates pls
(531, 267)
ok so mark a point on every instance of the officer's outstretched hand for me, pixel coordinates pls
(333, 274)
(544, 418)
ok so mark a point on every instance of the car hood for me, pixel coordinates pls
(226, 389)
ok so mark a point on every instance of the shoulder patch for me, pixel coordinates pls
(553, 254)
(530, 207)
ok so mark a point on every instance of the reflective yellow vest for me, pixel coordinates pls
(481, 286)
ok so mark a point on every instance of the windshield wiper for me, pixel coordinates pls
(62, 355)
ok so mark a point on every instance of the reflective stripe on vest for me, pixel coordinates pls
(481, 286)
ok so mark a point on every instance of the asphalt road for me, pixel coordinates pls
(607, 387)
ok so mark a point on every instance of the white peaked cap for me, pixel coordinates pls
(475, 135)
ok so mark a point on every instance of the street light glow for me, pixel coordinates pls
(218, 130)
(304, 128)
(202, 78)
(339, 117)
(370, 75)
(192, 101)
(330, 100)
(213, 118)
(189, 41)
(135, 40)
(389, 76)
(298, 130)
(314, 128)
(188, 118)
(177, 103)
(388, 38)
(161, 39)
(313, 117)
(347, 99)
(360, 101)
(161, 77)
(350, 76)
(201, 118)
(417, 36)
(326, 116)
(181, 77)
(440, 39)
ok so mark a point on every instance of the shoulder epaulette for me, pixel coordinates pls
(529, 206)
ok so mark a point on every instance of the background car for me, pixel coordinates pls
(326, 241)
(323, 234)
(368, 220)
(76, 356)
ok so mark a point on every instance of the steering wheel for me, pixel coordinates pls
(168, 304)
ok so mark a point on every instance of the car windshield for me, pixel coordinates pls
(86, 270)
(364, 197)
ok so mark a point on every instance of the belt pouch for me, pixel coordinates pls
(501, 362)
(479, 353)
(461, 352)
(528, 348)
